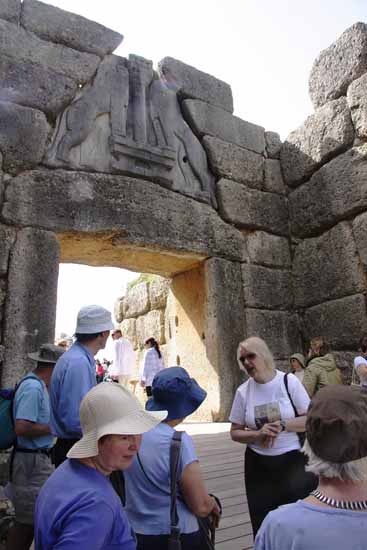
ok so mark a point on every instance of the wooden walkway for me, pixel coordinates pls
(222, 464)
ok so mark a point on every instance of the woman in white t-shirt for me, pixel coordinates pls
(268, 412)
(360, 362)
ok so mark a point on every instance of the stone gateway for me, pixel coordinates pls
(106, 160)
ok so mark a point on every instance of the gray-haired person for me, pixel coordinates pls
(334, 515)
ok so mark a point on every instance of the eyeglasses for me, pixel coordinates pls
(249, 357)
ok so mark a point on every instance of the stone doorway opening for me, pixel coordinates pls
(177, 307)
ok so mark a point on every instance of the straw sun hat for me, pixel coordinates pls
(109, 409)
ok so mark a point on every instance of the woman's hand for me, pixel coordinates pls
(268, 433)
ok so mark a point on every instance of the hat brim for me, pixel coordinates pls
(36, 357)
(183, 406)
(136, 423)
(103, 327)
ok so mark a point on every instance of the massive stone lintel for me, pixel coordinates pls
(71, 30)
(137, 212)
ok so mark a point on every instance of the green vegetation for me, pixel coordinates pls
(143, 278)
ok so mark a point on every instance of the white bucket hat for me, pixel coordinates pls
(92, 319)
(109, 409)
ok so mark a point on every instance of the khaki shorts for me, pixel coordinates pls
(30, 471)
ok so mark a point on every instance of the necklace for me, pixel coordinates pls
(343, 504)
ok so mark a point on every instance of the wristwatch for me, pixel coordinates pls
(282, 425)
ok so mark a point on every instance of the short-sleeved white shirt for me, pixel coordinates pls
(257, 404)
(359, 361)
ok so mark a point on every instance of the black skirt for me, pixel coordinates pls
(272, 481)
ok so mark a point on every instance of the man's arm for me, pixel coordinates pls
(26, 428)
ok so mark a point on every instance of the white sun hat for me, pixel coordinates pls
(107, 409)
(93, 319)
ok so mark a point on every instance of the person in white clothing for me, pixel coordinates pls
(151, 365)
(360, 362)
(124, 358)
(297, 365)
(268, 412)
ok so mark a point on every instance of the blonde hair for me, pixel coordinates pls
(256, 345)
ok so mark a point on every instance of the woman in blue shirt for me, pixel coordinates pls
(148, 479)
(77, 508)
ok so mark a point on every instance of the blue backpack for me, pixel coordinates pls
(7, 431)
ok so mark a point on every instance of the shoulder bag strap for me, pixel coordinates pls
(174, 456)
(289, 395)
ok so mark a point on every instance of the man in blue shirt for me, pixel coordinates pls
(74, 375)
(30, 460)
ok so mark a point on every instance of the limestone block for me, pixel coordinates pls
(30, 310)
(236, 163)
(357, 101)
(23, 135)
(336, 192)
(56, 25)
(279, 329)
(206, 119)
(340, 321)
(268, 250)
(327, 267)
(338, 65)
(196, 84)
(158, 292)
(21, 46)
(34, 85)
(118, 309)
(224, 329)
(251, 208)
(136, 301)
(267, 288)
(90, 203)
(128, 329)
(273, 178)
(2, 351)
(10, 10)
(273, 144)
(150, 325)
(325, 134)
(360, 236)
(7, 238)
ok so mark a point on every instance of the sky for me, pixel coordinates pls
(263, 48)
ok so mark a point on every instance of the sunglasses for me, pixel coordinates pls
(248, 357)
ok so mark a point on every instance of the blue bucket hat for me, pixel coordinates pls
(174, 391)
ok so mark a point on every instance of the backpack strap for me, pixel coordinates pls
(175, 450)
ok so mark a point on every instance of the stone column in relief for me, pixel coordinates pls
(30, 309)
(225, 327)
(141, 74)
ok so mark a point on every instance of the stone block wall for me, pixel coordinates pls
(324, 163)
